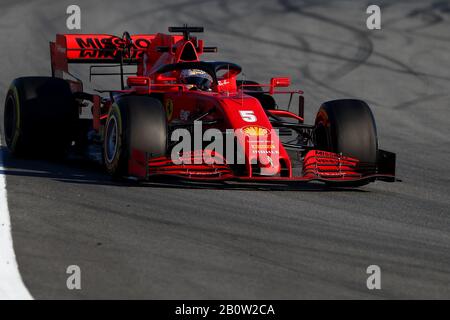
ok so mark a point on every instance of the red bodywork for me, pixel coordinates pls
(236, 110)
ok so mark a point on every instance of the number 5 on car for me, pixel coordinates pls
(248, 115)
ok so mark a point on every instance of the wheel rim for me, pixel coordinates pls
(10, 120)
(111, 139)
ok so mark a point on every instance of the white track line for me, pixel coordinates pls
(11, 284)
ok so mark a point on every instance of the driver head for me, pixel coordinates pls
(197, 78)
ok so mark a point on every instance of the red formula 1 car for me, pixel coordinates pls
(179, 115)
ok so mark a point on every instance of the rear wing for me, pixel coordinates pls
(96, 48)
(117, 51)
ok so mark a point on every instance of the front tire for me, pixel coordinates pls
(134, 122)
(347, 127)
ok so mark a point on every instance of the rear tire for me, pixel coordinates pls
(347, 127)
(134, 122)
(40, 116)
(254, 85)
(256, 91)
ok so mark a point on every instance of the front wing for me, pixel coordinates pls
(317, 166)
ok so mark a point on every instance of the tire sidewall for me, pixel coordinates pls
(323, 124)
(12, 141)
(115, 165)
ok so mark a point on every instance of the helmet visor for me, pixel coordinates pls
(199, 78)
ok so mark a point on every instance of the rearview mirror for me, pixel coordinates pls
(280, 82)
(138, 81)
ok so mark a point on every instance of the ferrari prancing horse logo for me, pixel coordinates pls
(169, 108)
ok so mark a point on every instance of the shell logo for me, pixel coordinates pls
(255, 131)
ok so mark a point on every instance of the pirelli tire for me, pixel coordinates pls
(347, 127)
(252, 85)
(134, 122)
(255, 89)
(40, 116)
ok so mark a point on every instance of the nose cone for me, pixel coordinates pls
(254, 133)
(263, 154)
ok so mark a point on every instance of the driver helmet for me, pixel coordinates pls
(199, 79)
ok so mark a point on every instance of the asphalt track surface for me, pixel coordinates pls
(168, 240)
